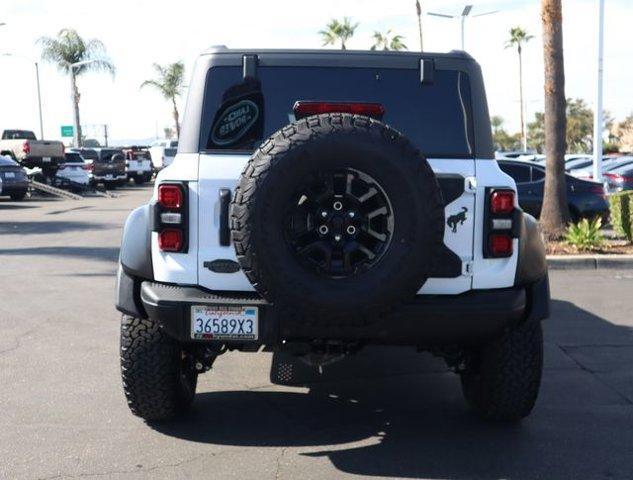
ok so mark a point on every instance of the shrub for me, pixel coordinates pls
(622, 213)
(586, 234)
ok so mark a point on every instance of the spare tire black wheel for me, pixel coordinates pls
(337, 218)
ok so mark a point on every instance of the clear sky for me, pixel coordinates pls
(140, 32)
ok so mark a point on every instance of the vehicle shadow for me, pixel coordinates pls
(106, 254)
(41, 227)
(409, 419)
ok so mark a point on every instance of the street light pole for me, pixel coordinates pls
(462, 20)
(597, 114)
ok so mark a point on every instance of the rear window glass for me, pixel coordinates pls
(140, 155)
(18, 135)
(74, 158)
(106, 155)
(89, 154)
(171, 152)
(238, 113)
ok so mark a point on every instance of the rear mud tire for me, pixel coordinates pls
(503, 379)
(157, 380)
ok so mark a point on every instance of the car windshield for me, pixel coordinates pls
(238, 113)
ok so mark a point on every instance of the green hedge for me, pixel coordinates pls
(622, 213)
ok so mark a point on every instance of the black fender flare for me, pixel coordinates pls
(135, 261)
(532, 268)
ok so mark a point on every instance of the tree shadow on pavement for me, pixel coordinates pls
(408, 419)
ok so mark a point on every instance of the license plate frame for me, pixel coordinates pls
(224, 322)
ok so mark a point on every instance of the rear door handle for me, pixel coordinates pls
(225, 202)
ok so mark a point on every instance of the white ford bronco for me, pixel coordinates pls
(323, 201)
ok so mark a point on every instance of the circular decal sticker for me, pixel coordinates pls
(234, 122)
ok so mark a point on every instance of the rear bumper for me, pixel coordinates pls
(108, 177)
(471, 317)
(32, 162)
(9, 188)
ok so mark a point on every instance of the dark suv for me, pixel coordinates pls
(106, 165)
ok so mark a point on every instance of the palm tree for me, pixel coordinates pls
(387, 41)
(555, 211)
(338, 31)
(418, 10)
(68, 49)
(169, 83)
(518, 38)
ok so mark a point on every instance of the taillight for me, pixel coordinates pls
(88, 166)
(500, 219)
(304, 109)
(170, 217)
(616, 177)
(500, 245)
(502, 201)
(170, 196)
(170, 240)
(26, 148)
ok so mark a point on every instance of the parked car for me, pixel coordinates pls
(74, 169)
(515, 154)
(105, 165)
(608, 164)
(24, 147)
(169, 154)
(138, 164)
(14, 180)
(161, 158)
(620, 178)
(586, 198)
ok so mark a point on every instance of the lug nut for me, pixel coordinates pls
(337, 238)
(351, 229)
(323, 229)
(324, 214)
(199, 366)
(351, 214)
(337, 206)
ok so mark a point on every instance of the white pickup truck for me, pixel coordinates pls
(24, 147)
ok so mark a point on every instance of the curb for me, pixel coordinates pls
(589, 262)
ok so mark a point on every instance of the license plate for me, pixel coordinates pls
(46, 159)
(9, 175)
(224, 322)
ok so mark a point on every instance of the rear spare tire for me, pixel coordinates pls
(337, 216)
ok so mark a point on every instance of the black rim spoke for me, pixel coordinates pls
(339, 223)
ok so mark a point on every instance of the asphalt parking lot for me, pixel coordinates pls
(385, 413)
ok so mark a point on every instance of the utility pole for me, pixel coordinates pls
(418, 9)
(597, 114)
(39, 99)
(105, 134)
(462, 19)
